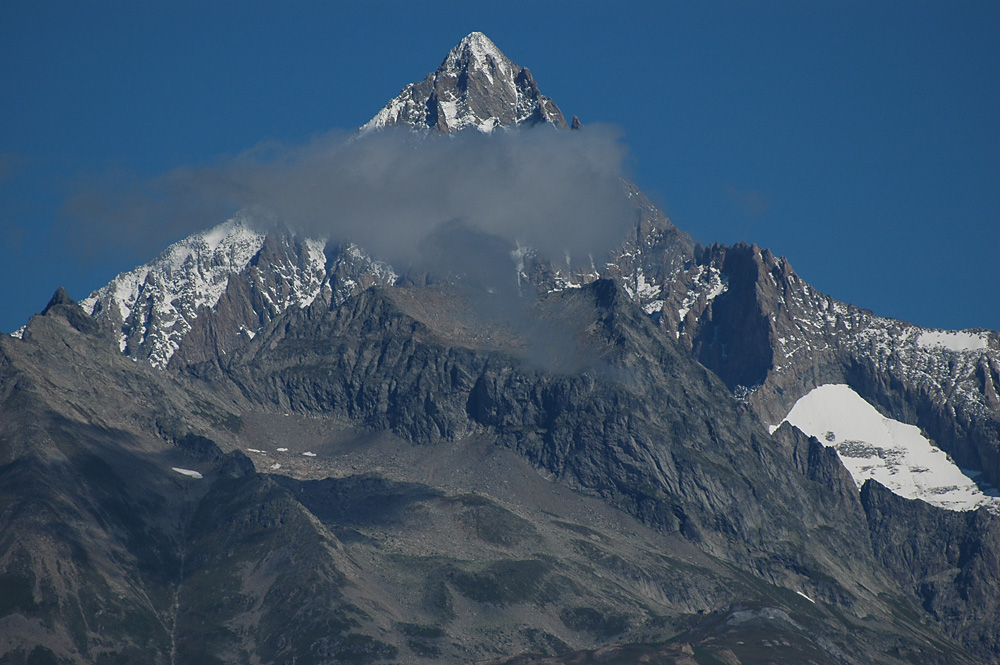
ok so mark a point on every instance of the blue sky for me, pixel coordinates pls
(859, 139)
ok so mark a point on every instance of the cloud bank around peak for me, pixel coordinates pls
(556, 191)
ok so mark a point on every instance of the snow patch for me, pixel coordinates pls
(187, 472)
(643, 289)
(953, 341)
(653, 307)
(309, 454)
(895, 454)
(708, 284)
(450, 111)
(214, 236)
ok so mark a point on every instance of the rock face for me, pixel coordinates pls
(948, 567)
(261, 448)
(372, 361)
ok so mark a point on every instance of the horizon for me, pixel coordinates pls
(820, 132)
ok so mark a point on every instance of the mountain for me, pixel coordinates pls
(208, 293)
(266, 448)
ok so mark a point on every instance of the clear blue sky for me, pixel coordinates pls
(859, 139)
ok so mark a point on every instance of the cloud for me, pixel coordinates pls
(455, 206)
(391, 193)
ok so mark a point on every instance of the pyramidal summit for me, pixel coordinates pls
(476, 86)
(267, 447)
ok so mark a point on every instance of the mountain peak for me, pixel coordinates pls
(476, 51)
(475, 86)
(60, 297)
(61, 305)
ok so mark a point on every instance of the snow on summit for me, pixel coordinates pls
(153, 307)
(480, 53)
(475, 87)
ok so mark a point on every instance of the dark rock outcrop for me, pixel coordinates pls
(948, 560)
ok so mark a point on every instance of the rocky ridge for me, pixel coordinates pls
(749, 317)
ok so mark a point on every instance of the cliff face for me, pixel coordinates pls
(947, 559)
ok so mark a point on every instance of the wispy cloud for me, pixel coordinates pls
(559, 192)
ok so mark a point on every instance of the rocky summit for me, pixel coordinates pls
(475, 87)
(263, 447)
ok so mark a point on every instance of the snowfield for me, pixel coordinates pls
(895, 454)
(953, 341)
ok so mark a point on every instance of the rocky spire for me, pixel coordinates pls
(476, 86)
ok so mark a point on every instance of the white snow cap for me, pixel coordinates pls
(478, 48)
(446, 100)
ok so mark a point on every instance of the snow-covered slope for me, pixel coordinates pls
(153, 307)
(895, 454)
